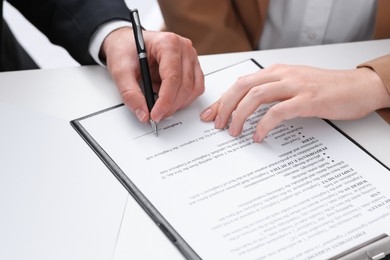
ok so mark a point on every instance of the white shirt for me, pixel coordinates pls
(292, 23)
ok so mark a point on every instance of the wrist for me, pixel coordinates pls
(99, 36)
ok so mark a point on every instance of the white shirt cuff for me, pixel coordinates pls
(100, 34)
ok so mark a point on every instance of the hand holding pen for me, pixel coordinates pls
(174, 69)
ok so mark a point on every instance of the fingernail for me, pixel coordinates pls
(158, 117)
(218, 123)
(233, 130)
(257, 138)
(140, 114)
(205, 114)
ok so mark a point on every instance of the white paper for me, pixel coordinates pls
(305, 192)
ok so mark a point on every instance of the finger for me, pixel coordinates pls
(279, 112)
(186, 91)
(125, 73)
(237, 90)
(234, 95)
(198, 87)
(170, 68)
(257, 96)
(134, 99)
(210, 113)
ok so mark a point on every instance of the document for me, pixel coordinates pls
(305, 192)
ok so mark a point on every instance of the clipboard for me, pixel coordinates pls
(142, 200)
(169, 230)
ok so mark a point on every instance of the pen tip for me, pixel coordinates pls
(154, 127)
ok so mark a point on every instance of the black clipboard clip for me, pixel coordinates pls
(375, 249)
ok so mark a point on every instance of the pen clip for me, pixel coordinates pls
(137, 32)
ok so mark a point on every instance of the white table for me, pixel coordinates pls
(58, 201)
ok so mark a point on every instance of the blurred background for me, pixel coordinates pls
(48, 55)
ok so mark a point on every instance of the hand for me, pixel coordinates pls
(174, 67)
(302, 92)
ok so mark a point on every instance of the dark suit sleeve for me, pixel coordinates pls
(71, 23)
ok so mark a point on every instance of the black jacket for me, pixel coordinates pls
(68, 23)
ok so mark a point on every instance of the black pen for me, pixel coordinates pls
(143, 61)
